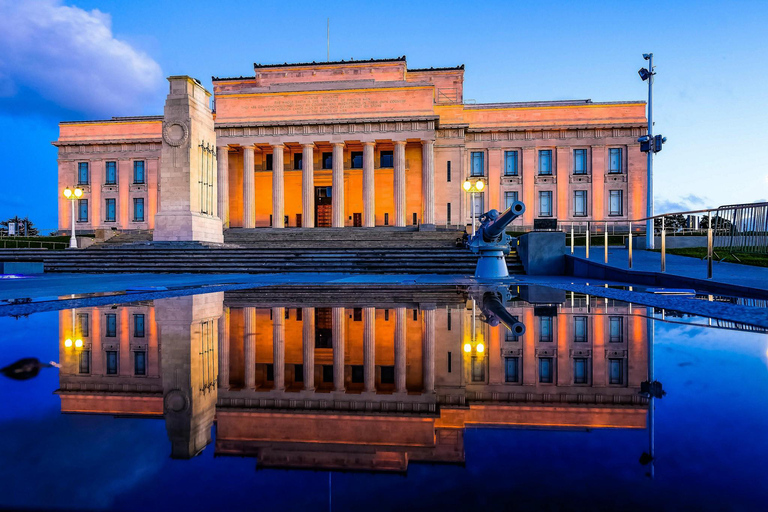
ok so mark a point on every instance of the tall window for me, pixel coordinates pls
(510, 163)
(580, 203)
(545, 328)
(448, 213)
(140, 362)
(510, 198)
(545, 370)
(327, 160)
(386, 159)
(616, 202)
(616, 329)
(82, 210)
(545, 162)
(111, 325)
(83, 324)
(110, 177)
(512, 369)
(268, 161)
(477, 165)
(545, 203)
(298, 160)
(357, 159)
(138, 209)
(580, 329)
(616, 371)
(614, 166)
(138, 326)
(509, 334)
(110, 212)
(139, 176)
(580, 370)
(448, 172)
(579, 161)
(478, 369)
(111, 362)
(85, 362)
(82, 173)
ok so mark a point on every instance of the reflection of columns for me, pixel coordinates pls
(428, 351)
(278, 195)
(428, 181)
(400, 350)
(337, 192)
(369, 208)
(250, 347)
(249, 189)
(222, 159)
(338, 325)
(369, 349)
(400, 183)
(278, 347)
(308, 186)
(224, 350)
(308, 339)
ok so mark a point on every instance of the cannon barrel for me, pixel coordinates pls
(497, 227)
(492, 302)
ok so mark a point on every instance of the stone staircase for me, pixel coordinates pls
(346, 250)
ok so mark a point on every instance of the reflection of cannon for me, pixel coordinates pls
(491, 242)
(495, 314)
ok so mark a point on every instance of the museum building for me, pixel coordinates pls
(364, 144)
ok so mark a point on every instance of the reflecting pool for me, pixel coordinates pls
(377, 398)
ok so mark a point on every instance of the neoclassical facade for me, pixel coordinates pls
(364, 144)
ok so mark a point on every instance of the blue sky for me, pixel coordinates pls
(94, 59)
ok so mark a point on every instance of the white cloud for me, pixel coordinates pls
(70, 58)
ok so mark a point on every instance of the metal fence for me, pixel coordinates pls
(741, 228)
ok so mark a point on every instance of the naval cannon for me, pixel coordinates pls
(491, 242)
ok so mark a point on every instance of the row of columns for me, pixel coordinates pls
(338, 318)
(337, 182)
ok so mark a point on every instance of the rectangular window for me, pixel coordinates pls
(512, 369)
(356, 159)
(82, 210)
(478, 369)
(580, 329)
(386, 159)
(448, 172)
(85, 362)
(449, 362)
(448, 213)
(140, 362)
(580, 370)
(83, 325)
(110, 177)
(268, 162)
(387, 374)
(616, 202)
(510, 163)
(298, 373)
(386, 219)
(270, 373)
(327, 373)
(545, 328)
(509, 335)
(82, 173)
(449, 320)
(616, 371)
(111, 325)
(579, 161)
(580, 203)
(509, 199)
(415, 219)
(357, 314)
(138, 209)
(138, 326)
(139, 176)
(111, 362)
(328, 160)
(477, 166)
(545, 162)
(616, 329)
(298, 159)
(386, 315)
(299, 314)
(545, 370)
(545, 203)
(110, 212)
(358, 374)
(614, 166)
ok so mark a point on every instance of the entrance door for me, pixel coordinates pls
(323, 207)
(357, 220)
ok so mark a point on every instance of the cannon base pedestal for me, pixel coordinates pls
(492, 263)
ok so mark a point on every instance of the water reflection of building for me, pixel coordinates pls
(311, 379)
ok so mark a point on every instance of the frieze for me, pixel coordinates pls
(321, 129)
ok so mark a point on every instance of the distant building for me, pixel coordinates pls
(368, 143)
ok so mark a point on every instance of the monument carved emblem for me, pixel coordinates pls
(175, 133)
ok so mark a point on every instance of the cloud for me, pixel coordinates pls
(55, 57)
(682, 204)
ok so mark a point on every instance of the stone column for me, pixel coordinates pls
(278, 347)
(278, 194)
(400, 350)
(369, 194)
(308, 340)
(428, 350)
(338, 324)
(399, 183)
(249, 189)
(428, 182)
(369, 349)
(222, 160)
(308, 186)
(224, 350)
(249, 335)
(337, 193)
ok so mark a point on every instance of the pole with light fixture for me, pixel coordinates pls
(72, 196)
(472, 189)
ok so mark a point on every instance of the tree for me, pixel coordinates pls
(671, 222)
(24, 227)
(718, 223)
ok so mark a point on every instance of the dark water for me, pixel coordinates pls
(183, 407)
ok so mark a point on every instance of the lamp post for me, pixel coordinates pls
(473, 188)
(72, 196)
(649, 144)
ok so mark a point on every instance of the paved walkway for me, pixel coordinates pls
(684, 266)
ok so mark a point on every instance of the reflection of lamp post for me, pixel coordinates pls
(73, 195)
(472, 189)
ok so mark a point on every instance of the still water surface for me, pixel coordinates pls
(287, 399)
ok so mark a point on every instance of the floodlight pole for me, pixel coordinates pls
(649, 235)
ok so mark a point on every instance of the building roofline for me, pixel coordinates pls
(116, 119)
(256, 65)
(554, 103)
(224, 78)
(449, 68)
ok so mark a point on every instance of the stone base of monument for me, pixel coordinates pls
(173, 226)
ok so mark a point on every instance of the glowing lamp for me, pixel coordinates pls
(78, 343)
(78, 192)
(68, 343)
(67, 192)
(479, 185)
(467, 347)
(467, 185)
(480, 348)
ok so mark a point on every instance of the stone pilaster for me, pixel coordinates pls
(278, 184)
(338, 325)
(278, 347)
(428, 350)
(224, 350)
(369, 349)
(428, 182)
(249, 189)
(337, 197)
(369, 205)
(222, 160)
(249, 346)
(399, 155)
(400, 350)
(308, 340)
(308, 186)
